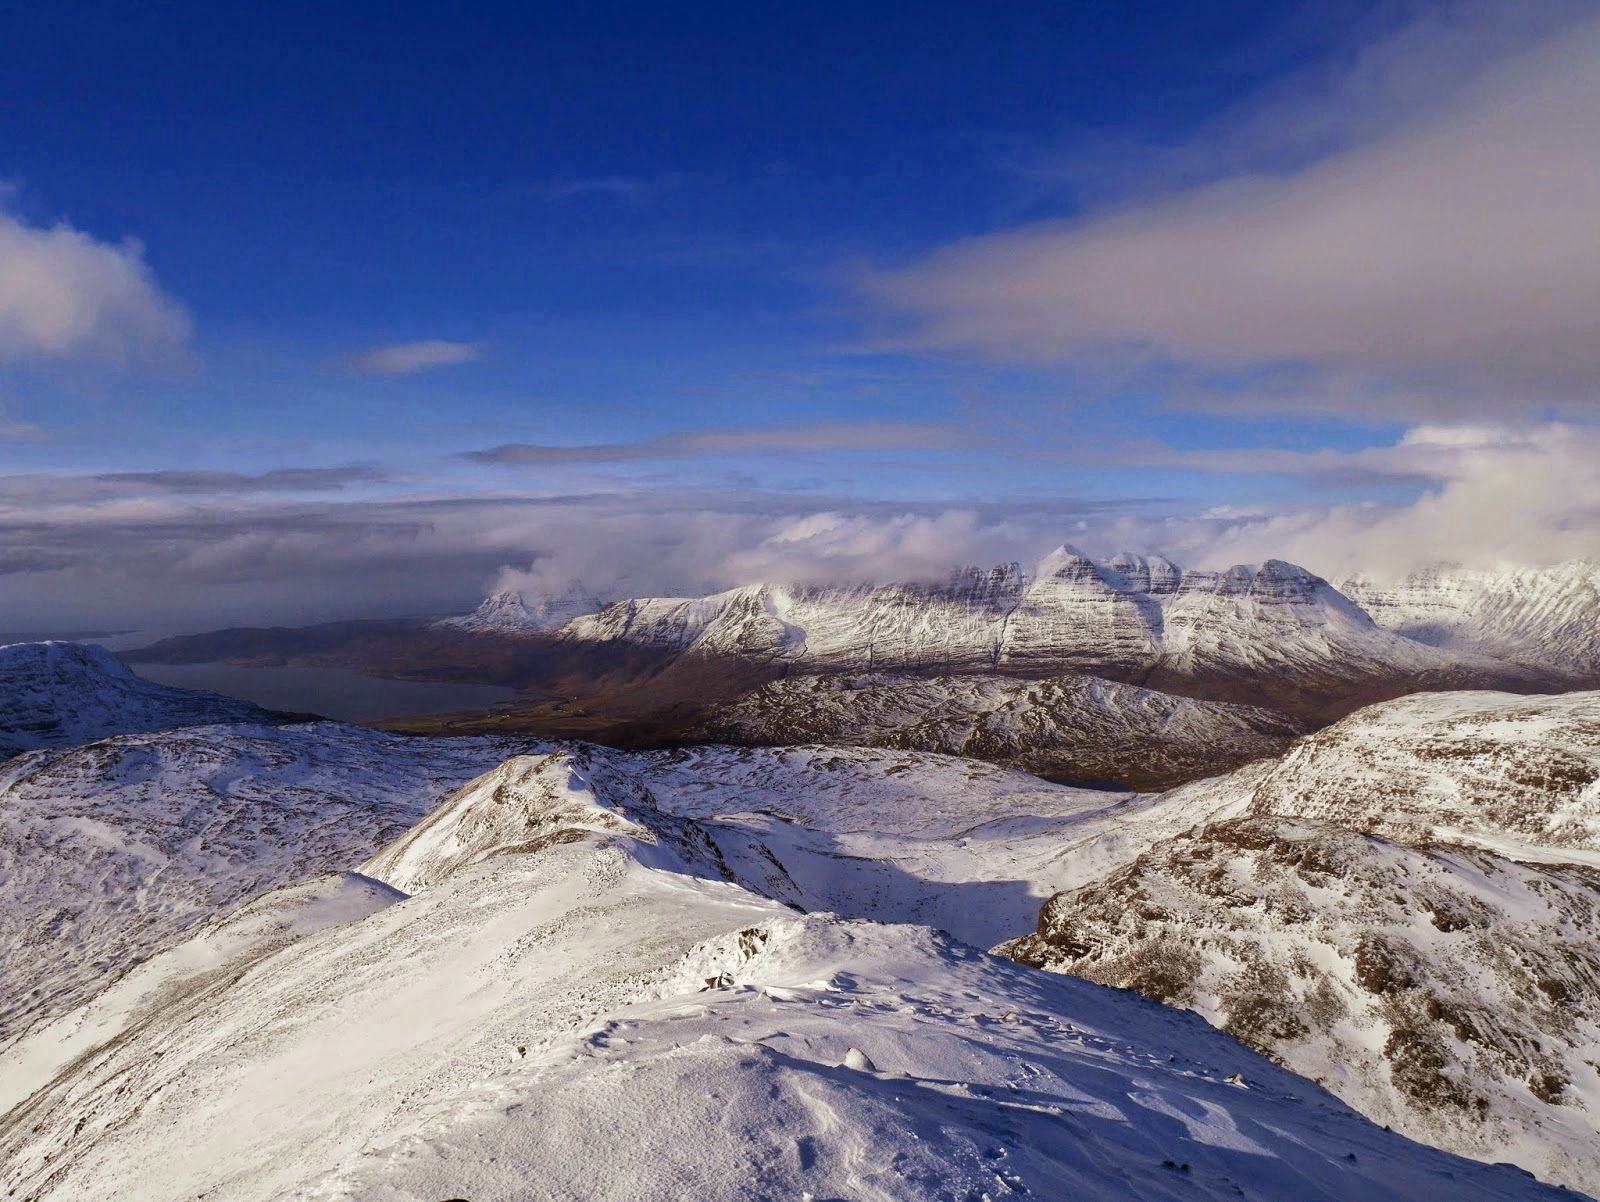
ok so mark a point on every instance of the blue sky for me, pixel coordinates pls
(882, 262)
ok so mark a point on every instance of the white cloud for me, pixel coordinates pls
(408, 358)
(66, 296)
(828, 547)
(1515, 497)
(12, 430)
(1449, 252)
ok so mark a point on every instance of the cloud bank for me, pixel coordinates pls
(1511, 498)
(1443, 259)
(199, 550)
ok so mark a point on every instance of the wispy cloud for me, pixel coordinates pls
(634, 189)
(706, 444)
(12, 430)
(284, 479)
(186, 559)
(1444, 253)
(65, 295)
(1426, 454)
(409, 358)
(44, 489)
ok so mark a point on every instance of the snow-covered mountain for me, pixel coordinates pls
(577, 1002)
(1547, 618)
(1402, 905)
(1403, 908)
(1064, 727)
(109, 851)
(509, 612)
(56, 694)
(1265, 632)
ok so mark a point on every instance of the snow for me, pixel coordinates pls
(315, 961)
(1402, 908)
(109, 851)
(56, 694)
(597, 1017)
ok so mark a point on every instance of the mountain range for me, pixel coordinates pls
(662, 672)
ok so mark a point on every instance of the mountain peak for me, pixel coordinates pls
(534, 802)
(510, 611)
(58, 693)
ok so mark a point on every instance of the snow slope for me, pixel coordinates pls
(58, 694)
(1403, 908)
(1544, 617)
(1520, 774)
(1446, 991)
(1066, 727)
(511, 612)
(109, 851)
(577, 1005)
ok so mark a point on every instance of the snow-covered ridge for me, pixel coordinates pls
(1544, 617)
(54, 694)
(1519, 774)
(530, 802)
(576, 912)
(510, 612)
(1129, 617)
(110, 851)
(574, 1017)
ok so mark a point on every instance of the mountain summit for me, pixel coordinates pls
(508, 611)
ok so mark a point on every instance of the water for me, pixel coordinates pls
(332, 692)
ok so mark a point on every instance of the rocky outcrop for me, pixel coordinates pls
(1402, 908)
(1067, 728)
(1448, 992)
